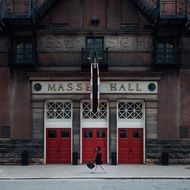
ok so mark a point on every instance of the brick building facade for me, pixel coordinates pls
(142, 49)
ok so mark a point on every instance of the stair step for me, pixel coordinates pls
(43, 9)
(145, 9)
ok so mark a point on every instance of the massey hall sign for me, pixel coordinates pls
(106, 87)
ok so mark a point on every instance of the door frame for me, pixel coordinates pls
(102, 125)
(57, 125)
(142, 126)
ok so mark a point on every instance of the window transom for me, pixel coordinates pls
(87, 113)
(58, 110)
(130, 110)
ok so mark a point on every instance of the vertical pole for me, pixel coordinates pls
(95, 81)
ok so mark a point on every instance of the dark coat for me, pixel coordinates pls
(98, 158)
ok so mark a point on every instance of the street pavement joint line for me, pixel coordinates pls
(97, 177)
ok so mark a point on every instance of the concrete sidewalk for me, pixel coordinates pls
(82, 172)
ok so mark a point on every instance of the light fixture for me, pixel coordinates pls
(95, 20)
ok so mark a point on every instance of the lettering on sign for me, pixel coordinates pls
(76, 43)
(68, 87)
(132, 43)
(54, 44)
(48, 87)
(125, 87)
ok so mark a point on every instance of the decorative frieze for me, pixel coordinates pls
(128, 43)
(60, 43)
(76, 43)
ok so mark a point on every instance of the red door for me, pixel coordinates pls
(130, 145)
(91, 138)
(58, 146)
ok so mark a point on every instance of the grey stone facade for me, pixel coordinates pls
(11, 151)
(178, 150)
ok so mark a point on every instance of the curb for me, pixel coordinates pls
(100, 177)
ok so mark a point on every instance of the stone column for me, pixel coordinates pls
(76, 127)
(112, 127)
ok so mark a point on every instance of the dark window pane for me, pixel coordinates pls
(169, 51)
(101, 134)
(20, 46)
(99, 46)
(161, 45)
(5, 132)
(65, 134)
(28, 45)
(183, 132)
(52, 134)
(160, 51)
(168, 45)
(123, 134)
(88, 134)
(165, 51)
(94, 43)
(24, 52)
(136, 134)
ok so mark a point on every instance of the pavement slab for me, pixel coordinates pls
(56, 171)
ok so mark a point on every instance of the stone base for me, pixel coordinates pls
(11, 151)
(178, 151)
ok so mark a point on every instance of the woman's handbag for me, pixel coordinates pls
(90, 164)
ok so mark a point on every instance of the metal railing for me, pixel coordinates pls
(42, 7)
(12, 9)
(151, 8)
(151, 4)
(148, 8)
(17, 9)
(176, 8)
(101, 56)
(28, 60)
(165, 8)
(172, 58)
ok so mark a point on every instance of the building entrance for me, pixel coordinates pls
(130, 145)
(91, 138)
(94, 131)
(130, 130)
(58, 132)
(58, 146)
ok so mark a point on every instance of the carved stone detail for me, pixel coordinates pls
(113, 43)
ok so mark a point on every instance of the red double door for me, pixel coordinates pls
(58, 145)
(91, 138)
(130, 145)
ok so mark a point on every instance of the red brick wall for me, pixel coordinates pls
(113, 14)
(169, 105)
(75, 17)
(60, 12)
(174, 103)
(129, 13)
(185, 99)
(4, 97)
(20, 106)
(77, 14)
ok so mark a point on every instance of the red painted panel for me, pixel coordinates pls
(51, 145)
(58, 145)
(101, 140)
(91, 138)
(130, 145)
(65, 145)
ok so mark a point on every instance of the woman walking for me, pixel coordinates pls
(98, 160)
